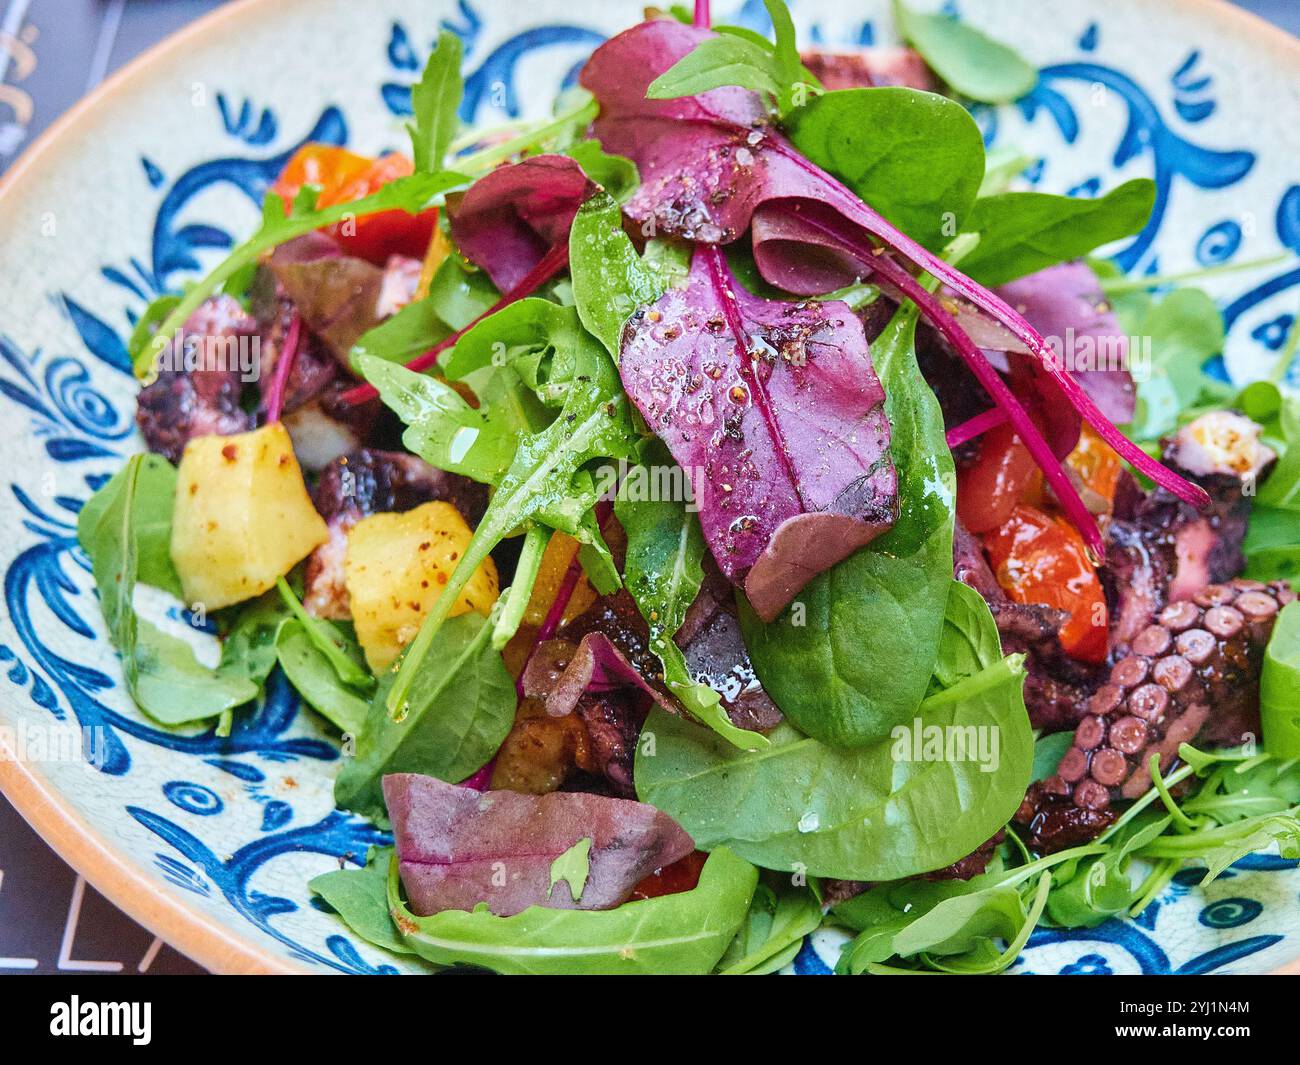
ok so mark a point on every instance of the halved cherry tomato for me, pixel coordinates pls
(1040, 559)
(989, 489)
(682, 875)
(343, 176)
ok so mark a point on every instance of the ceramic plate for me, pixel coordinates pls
(210, 842)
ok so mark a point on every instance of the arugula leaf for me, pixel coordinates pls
(1099, 891)
(684, 934)
(314, 677)
(515, 599)
(890, 596)
(410, 332)
(342, 654)
(956, 932)
(542, 483)
(773, 931)
(152, 520)
(610, 280)
(572, 867)
(972, 63)
(435, 103)
(717, 61)
(412, 194)
(1223, 845)
(663, 571)
(441, 427)
(360, 898)
(458, 712)
(916, 157)
(1279, 686)
(1024, 232)
(161, 673)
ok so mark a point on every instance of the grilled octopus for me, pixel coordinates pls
(1187, 639)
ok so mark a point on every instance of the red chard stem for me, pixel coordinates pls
(547, 267)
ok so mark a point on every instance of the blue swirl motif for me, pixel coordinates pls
(337, 834)
(493, 82)
(1143, 947)
(1173, 157)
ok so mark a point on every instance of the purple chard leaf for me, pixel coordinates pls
(459, 847)
(509, 219)
(775, 411)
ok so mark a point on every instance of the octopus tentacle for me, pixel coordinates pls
(1192, 674)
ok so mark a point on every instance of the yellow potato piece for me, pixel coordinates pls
(242, 516)
(396, 567)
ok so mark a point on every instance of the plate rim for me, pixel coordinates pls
(219, 947)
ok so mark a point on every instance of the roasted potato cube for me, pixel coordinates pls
(395, 569)
(242, 516)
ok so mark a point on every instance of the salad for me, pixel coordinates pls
(702, 519)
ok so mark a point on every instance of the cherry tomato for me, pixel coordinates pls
(682, 875)
(343, 176)
(989, 489)
(1040, 559)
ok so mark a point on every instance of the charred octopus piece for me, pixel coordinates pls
(1161, 550)
(197, 390)
(367, 482)
(1193, 674)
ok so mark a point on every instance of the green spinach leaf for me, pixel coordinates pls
(248, 649)
(916, 157)
(161, 672)
(459, 710)
(683, 934)
(972, 63)
(871, 813)
(155, 495)
(342, 653)
(1024, 232)
(314, 677)
(360, 898)
(1279, 687)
